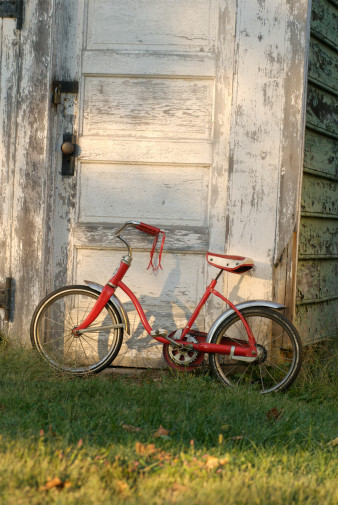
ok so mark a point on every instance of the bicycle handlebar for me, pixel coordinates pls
(146, 228)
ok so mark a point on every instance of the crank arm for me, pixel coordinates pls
(163, 334)
(180, 345)
(99, 328)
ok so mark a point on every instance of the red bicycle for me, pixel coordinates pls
(79, 329)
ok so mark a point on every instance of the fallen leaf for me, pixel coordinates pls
(145, 449)
(333, 443)
(212, 462)
(161, 432)
(130, 428)
(55, 483)
(274, 414)
(122, 486)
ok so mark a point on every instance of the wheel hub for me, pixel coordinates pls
(75, 332)
(262, 353)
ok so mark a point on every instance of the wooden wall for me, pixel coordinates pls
(25, 66)
(317, 291)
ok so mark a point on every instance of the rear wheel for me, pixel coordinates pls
(279, 351)
(55, 318)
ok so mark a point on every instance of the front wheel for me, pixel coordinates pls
(279, 351)
(55, 318)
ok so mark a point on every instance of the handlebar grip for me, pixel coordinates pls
(147, 228)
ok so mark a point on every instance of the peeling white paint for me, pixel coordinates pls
(221, 94)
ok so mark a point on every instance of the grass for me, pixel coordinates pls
(218, 445)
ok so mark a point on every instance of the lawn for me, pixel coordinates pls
(161, 439)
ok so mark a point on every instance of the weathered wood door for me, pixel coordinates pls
(152, 127)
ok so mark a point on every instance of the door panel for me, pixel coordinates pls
(118, 193)
(178, 24)
(170, 108)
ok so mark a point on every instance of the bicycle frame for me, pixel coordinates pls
(246, 353)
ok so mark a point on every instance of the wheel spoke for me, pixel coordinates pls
(62, 315)
(85, 335)
(276, 366)
(90, 346)
(68, 337)
(265, 368)
(85, 313)
(277, 356)
(260, 376)
(239, 380)
(83, 349)
(53, 321)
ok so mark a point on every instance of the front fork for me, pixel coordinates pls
(105, 295)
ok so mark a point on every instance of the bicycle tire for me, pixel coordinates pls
(279, 351)
(54, 318)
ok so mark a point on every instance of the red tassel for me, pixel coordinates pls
(152, 252)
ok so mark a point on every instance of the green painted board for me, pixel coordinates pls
(322, 110)
(324, 20)
(323, 64)
(321, 154)
(317, 269)
(317, 280)
(319, 196)
(318, 237)
(317, 321)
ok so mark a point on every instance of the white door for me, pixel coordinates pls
(152, 127)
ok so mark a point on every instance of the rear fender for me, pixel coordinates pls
(116, 302)
(240, 306)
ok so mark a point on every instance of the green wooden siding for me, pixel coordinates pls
(317, 272)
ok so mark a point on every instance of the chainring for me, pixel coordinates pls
(182, 360)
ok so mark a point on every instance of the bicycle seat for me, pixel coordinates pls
(235, 264)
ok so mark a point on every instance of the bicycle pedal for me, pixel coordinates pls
(159, 333)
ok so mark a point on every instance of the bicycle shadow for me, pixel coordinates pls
(141, 346)
(141, 343)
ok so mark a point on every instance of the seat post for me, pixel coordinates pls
(219, 275)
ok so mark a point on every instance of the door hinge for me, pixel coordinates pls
(12, 9)
(59, 87)
(5, 297)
